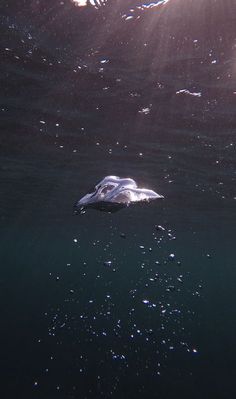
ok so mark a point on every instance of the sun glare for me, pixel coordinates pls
(80, 3)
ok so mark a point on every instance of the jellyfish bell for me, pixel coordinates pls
(114, 193)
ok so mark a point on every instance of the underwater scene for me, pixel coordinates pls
(118, 200)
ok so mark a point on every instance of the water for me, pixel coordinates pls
(111, 305)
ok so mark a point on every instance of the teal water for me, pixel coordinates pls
(75, 327)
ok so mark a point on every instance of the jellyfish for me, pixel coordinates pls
(114, 193)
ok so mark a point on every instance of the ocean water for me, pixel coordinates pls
(139, 303)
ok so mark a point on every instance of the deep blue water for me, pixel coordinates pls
(87, 93)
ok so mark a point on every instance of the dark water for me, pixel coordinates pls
(86, 93)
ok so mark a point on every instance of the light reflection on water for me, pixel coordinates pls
(82, 3)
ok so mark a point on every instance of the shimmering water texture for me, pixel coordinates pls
(135, 304)
(123, 308)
